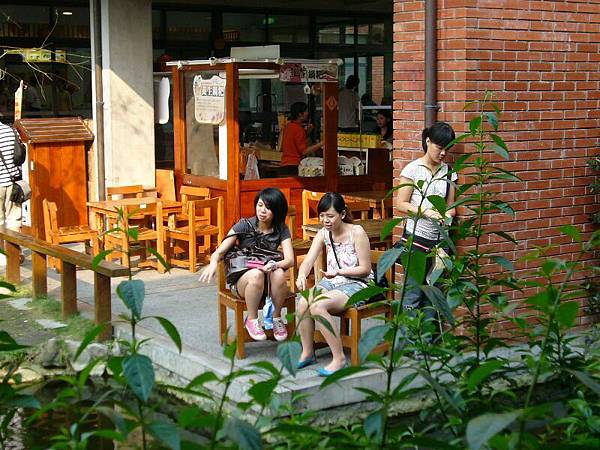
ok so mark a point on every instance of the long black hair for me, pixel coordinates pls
(297, 109)
(335, 200)
(274, 199)
(439, 133)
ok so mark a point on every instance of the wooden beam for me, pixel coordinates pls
(330, 125)
(39, 269)
(232, 104)
(179, 127)
(13, 262)
(102, 304)
(68, 283)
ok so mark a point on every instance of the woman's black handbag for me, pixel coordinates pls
(21, 192)
(237, 260)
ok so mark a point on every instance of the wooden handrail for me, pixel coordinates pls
(71, 259)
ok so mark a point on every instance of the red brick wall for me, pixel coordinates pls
(542, 60)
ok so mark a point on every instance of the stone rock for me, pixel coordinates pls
(20, 303)
(50, 354)
(91, 352)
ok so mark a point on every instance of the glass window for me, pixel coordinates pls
(377, 34)
(334, 30)
(156, 24)
(72, 23)
(188, 25)
(244, 27)
(202, 139)
(284, 28)
(31, 22)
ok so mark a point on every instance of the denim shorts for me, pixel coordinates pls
(350, 288)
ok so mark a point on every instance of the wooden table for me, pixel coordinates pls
(106, 212)
(376, 199)
(108, 209)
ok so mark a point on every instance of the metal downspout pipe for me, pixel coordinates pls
(99, 106)
(431, 106)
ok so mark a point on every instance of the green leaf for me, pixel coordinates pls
(100, 257)
(475, 125)
(160, 258)
(374, 424)
(571, 231)
(388, 259)
(8, 344)
(342, 373)
(499, 141)
(418, 261)
(202, 379)
(6, 285)
(261, 392)
(492, 120)
(506, 236)
(243, 434)
(500, 151)
(267, 366)
(139, 374)
(364, 294)
(132, 293)
(439, 203)
(438, 300)
(441, 390)
(23, 401)
(171, 330)
(108, 434)
(501, 260)
(289, 354)
(587, 380)
(133, 233)
(371, 339)
(325, 323)
(566, 313)
(482, 428)
(166, 433)
(460, 162)
(389, 227)
(89, 337)
(428, 443)
(483, 372)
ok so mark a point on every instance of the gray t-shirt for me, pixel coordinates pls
(272, 240)
(437, 185)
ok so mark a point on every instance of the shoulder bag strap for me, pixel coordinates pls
(333, 249)
(12, 177)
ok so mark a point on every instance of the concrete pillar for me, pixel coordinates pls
(126, 33)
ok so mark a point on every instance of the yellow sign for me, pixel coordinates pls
(36, 55)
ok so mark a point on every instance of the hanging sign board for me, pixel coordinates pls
(308, 73)
(37, 55)
(209, 98)
(18, 100)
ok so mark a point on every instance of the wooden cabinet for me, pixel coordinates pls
(57, 153)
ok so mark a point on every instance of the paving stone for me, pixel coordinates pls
(50, 324)
(20, 303)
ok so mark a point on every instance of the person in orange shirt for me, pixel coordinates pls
(294, 144)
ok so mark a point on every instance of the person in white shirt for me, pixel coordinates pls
(437, 179)
(348, 105)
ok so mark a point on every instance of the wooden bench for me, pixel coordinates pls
(71, 259)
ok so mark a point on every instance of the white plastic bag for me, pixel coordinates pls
(252, 168)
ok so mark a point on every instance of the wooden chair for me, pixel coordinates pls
(165, 184)
(132, 191)
(198, 228)
(188, 193)
(310, 200)
(351, 318)
(145, 235)
(66, 235)
(228, 299)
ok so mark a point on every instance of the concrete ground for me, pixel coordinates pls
(192, 308)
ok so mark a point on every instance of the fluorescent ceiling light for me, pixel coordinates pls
(67, 13)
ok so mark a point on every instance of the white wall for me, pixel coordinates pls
(128, 92)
